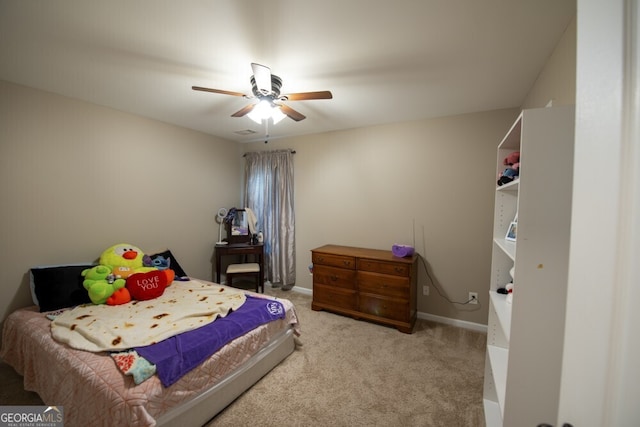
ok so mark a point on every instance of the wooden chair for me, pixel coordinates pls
(251, 269)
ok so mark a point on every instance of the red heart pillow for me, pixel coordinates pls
(144, 286)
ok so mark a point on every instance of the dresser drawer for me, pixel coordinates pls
(341, 261)
(394, 268)
(336, 297)
(383, 284)
(384, 307)
(331, 276)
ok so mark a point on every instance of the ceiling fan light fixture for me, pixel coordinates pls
(277, 115)
(261, 111)
(264, 110)
(266, 90)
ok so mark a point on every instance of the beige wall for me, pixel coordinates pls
(367, 187)
(76, 178)
(557, 80)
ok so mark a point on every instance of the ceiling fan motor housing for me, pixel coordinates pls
(276, 84)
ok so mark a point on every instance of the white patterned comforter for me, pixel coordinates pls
(184, 306)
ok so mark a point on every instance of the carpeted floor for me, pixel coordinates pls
(353, 373)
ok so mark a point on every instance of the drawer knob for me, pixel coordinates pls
(334, 278)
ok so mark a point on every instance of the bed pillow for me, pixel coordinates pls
(56, 287)
(173, 264)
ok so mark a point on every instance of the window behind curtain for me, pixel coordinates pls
(269, 194)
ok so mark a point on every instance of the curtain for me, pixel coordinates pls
(269, 194)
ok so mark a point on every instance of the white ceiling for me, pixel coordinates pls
(384, 60)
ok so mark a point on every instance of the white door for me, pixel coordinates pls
(601, 360)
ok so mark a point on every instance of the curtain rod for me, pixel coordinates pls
(292, 152)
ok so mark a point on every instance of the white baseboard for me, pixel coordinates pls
(302, 290)
(478, 327)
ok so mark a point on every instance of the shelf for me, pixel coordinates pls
(511, 186)
(498, 358)
(492, 413)
(507, 246)
(542, 206)
(503, 311)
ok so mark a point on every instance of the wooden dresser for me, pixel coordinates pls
(366, 284)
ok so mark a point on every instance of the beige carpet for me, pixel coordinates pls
(353, 373)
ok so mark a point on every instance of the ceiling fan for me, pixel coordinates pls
(266, 89)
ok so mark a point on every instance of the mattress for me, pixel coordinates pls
(94, 392)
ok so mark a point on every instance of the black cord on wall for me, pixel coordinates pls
(426, 270)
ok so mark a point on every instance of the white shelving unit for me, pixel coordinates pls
(524, 339)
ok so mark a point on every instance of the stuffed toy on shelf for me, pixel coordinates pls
(512, 171)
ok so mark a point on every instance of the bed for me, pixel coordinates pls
(93, 391)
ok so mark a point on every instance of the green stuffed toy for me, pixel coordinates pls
(106, 283)
(101, 285)
(124, 260)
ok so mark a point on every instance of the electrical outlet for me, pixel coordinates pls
(473, 297)
(425, 290)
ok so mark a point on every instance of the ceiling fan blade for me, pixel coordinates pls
(224, 92)
(262, 76)
(244, 111)
(304, 96)
(291, 112)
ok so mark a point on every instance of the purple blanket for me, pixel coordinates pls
(176, 356)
